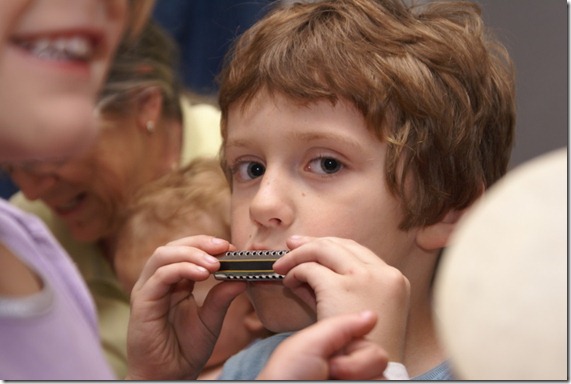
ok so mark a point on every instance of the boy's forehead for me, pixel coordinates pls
(295, 121)
(244, 140)
(248, 104)
(265, 95)
(264, 99)
(265, 103)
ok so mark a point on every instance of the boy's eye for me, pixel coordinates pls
(325, 165)
(250, 170)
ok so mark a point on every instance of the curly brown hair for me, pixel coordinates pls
(429, 79)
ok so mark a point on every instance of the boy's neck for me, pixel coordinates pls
(422, 349)
(210, 373)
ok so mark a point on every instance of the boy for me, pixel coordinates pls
(368, 121)
(355, 134)
(195, 199)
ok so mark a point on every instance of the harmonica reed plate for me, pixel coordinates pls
(249, 266)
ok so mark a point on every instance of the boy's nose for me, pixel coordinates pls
(272, 205)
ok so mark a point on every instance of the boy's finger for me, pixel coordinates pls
(217, 302)
(366, 361)
(171, 254)
(330, 335)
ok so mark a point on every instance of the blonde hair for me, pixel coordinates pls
(140, 11)
(430, 81)
(193, 198)
(151, 59)
(171, 201)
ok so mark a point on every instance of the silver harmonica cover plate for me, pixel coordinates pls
(249, 265)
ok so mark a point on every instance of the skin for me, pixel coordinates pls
(170, 334)
(316, 171)
(240, 328)
(89, 192)
(44, 103)
(312, 181)
(135, 246)
(266, 212)
(331, 349)
(241, 325)
(341, 260)
(56, 100)
(62, 96)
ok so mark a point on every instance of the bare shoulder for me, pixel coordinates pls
(16, 277)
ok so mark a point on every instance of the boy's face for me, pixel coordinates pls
(313, 170)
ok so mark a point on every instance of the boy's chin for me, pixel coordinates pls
(279, 309)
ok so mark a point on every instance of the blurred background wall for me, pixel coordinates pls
(204, 30)
(536, 34)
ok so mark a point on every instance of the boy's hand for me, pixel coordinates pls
(330, 349)
(169, 336)
(337, 276)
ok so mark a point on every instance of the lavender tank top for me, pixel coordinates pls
(53, 334)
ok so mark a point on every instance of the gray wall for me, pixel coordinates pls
(536, 34)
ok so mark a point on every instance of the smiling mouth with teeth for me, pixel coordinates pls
(61, 48)
(70, 206)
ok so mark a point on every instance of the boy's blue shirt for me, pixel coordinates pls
(248, 363)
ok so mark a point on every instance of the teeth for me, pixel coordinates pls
(79, 47)
(60, 48)
(69, 205)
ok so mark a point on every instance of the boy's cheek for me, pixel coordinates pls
(240, 231)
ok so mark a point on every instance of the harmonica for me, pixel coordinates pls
(249, 266)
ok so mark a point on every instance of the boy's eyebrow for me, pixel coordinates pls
(328, 136)
(305, 137)
(237, 143)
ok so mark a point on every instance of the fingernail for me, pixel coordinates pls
(216, 240)
(296, 238)
(367, 314)
(210, 259)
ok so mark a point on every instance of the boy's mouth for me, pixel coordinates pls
(249, 266)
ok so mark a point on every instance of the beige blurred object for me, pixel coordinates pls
(501, 296)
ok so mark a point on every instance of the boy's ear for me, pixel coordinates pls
(150, 103)
(435, 236)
